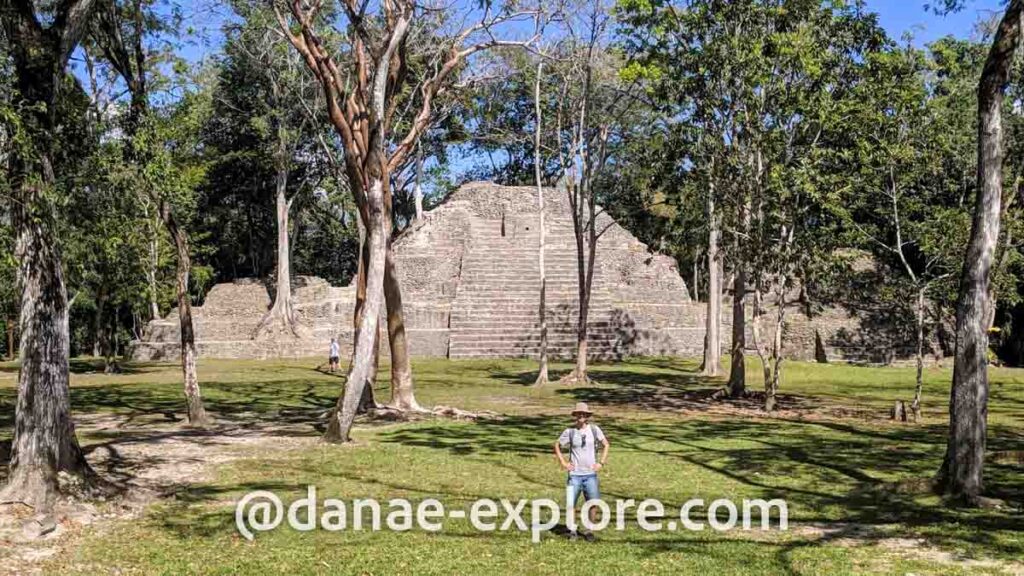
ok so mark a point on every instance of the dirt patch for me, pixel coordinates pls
(150, 459)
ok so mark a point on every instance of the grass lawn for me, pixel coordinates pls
(851, 477)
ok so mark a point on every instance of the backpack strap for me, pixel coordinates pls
(572, 441)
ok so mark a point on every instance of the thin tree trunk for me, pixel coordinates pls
(585, 276)
(99, 325)
(542, 373)
(153, 264)
(961, 475)
(737, 367)
(10, 338)
(402, 395)
(696, 278)
(377, 233)
(772, 389)
(113, 347)
(108, 346)
(193, 395)
(417, 190)
(915, 406)
(713, 320)
(755, 329)
(281, 316)
(577, 198)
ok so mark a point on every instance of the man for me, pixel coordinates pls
(335, 352)
(582, 440)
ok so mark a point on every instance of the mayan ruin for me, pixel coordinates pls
(470, 283)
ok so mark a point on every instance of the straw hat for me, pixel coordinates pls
(581, 407)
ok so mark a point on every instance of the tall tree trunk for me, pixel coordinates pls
(961, 475)
(281, 316)
(44, 443)
(582, 231)
(193, 395)
(10, 338)
(755, 330)
(153, 264)
(772, 389)
(713, 321)
(99, 325)
(542, 373)
(378, 229)
(367, 402)
(696, 278)
(915, 406)
(417, 191)
(402, 396)
(737, 367)
(586, 249)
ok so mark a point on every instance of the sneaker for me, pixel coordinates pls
(589, 537)
(573, 535)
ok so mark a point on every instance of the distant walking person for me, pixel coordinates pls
(334, 356)
(582, 439)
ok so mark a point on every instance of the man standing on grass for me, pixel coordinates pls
(582, 439)
(334, 355)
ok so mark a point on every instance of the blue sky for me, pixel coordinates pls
(899, 16)
(896, 16)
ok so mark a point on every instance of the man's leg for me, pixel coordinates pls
(591, 491)
(576, 487)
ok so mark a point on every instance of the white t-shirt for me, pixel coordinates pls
(334, 350)
(582, 444)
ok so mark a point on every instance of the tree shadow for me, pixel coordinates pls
(840, 475)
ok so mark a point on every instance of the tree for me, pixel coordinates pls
(961, 474)
(712, 361)
(273, 102)
(755, 81)
(542, 372)
(43, 129)
(162, 153)
(592, 109)
(362, 108)
(903, 168)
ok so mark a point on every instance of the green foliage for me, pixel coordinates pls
(753, 88)
(267, 116)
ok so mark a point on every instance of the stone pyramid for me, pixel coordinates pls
(470, 282)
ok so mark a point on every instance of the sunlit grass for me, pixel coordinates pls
(833, 456)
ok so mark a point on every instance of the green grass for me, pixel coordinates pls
(832, 455)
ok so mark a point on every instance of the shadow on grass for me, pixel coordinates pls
(845, 474)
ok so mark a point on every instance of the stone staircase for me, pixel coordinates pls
(495, 311)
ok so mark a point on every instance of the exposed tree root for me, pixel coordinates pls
(279, 320)
(456, 413)
(390, 413)
(32, 489)
(575, 378)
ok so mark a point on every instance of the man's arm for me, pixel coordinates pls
(604, 453)
(561, 459)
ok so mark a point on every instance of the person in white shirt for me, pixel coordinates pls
(582, 440)
(334, 356)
